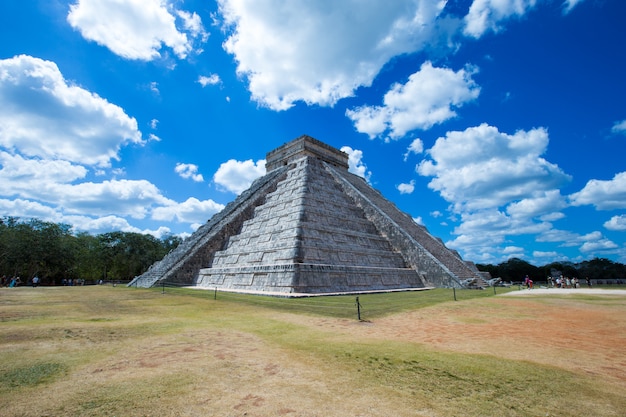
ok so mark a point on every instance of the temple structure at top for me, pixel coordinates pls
(310, 227)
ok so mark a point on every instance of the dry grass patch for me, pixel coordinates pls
(104, 351)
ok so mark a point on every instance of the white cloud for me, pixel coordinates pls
(134, 198)
(619, 127)
(543, 204)
(188, 171)
(44, 116)
(355, 162)
(428, 98)
(136, 29)
(416, 147)
(154, 87)
(546, 255)
(486, 15)
(592, 244)
(604, 195)
(617, 223)
(237, 176)
(551, 217)
(31, 209)
(212, 79)
(498, 183)
(56, 184)
(406, 188)
(568, 5)
(598, 246)
(50, 132)
(556, 235)
(483, 168)
(190, 211)
(28, 177)
(28, 209)
(100, 224)
(320, 52)
(193, 23)
(513, 251)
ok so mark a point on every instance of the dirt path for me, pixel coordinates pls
(585, 336)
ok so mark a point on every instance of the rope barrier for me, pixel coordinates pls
(367, 306)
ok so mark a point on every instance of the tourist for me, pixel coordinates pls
(528, 282)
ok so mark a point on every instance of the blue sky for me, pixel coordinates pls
(500, 125)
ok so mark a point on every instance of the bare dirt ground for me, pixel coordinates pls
(579, 335)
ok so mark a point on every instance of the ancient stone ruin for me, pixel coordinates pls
(309, 227)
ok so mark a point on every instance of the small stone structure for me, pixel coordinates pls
(309, 227)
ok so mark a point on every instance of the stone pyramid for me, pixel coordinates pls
(309, 227)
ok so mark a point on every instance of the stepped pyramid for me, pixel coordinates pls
(309, 227)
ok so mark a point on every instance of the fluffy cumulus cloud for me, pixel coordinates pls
(416, 147)
(497, 182)
(487, 15)
(355, 162)
(212, 79)
(190, 211)
(29, 209)
(600, 245)
(237, 176)
(482, 167)
(188, 171)
(45, 116)
(320, 52)
(426, 99)
(137, 29)
(604, 195)
(53, 135)
(406, 188)
(617, 223)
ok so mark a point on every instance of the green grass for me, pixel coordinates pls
(30, 375)
(344, 306)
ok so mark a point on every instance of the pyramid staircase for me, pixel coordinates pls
(412, 239)
(181, 265)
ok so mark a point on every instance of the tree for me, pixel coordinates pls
(51, 251)
(601, 268)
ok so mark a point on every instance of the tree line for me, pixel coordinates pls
(598, 269)
(52, 252)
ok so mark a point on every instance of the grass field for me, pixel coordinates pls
(116, 351)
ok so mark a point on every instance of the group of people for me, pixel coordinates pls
(566, 282)
(10, 282)
(69, 282)
(559, 282)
